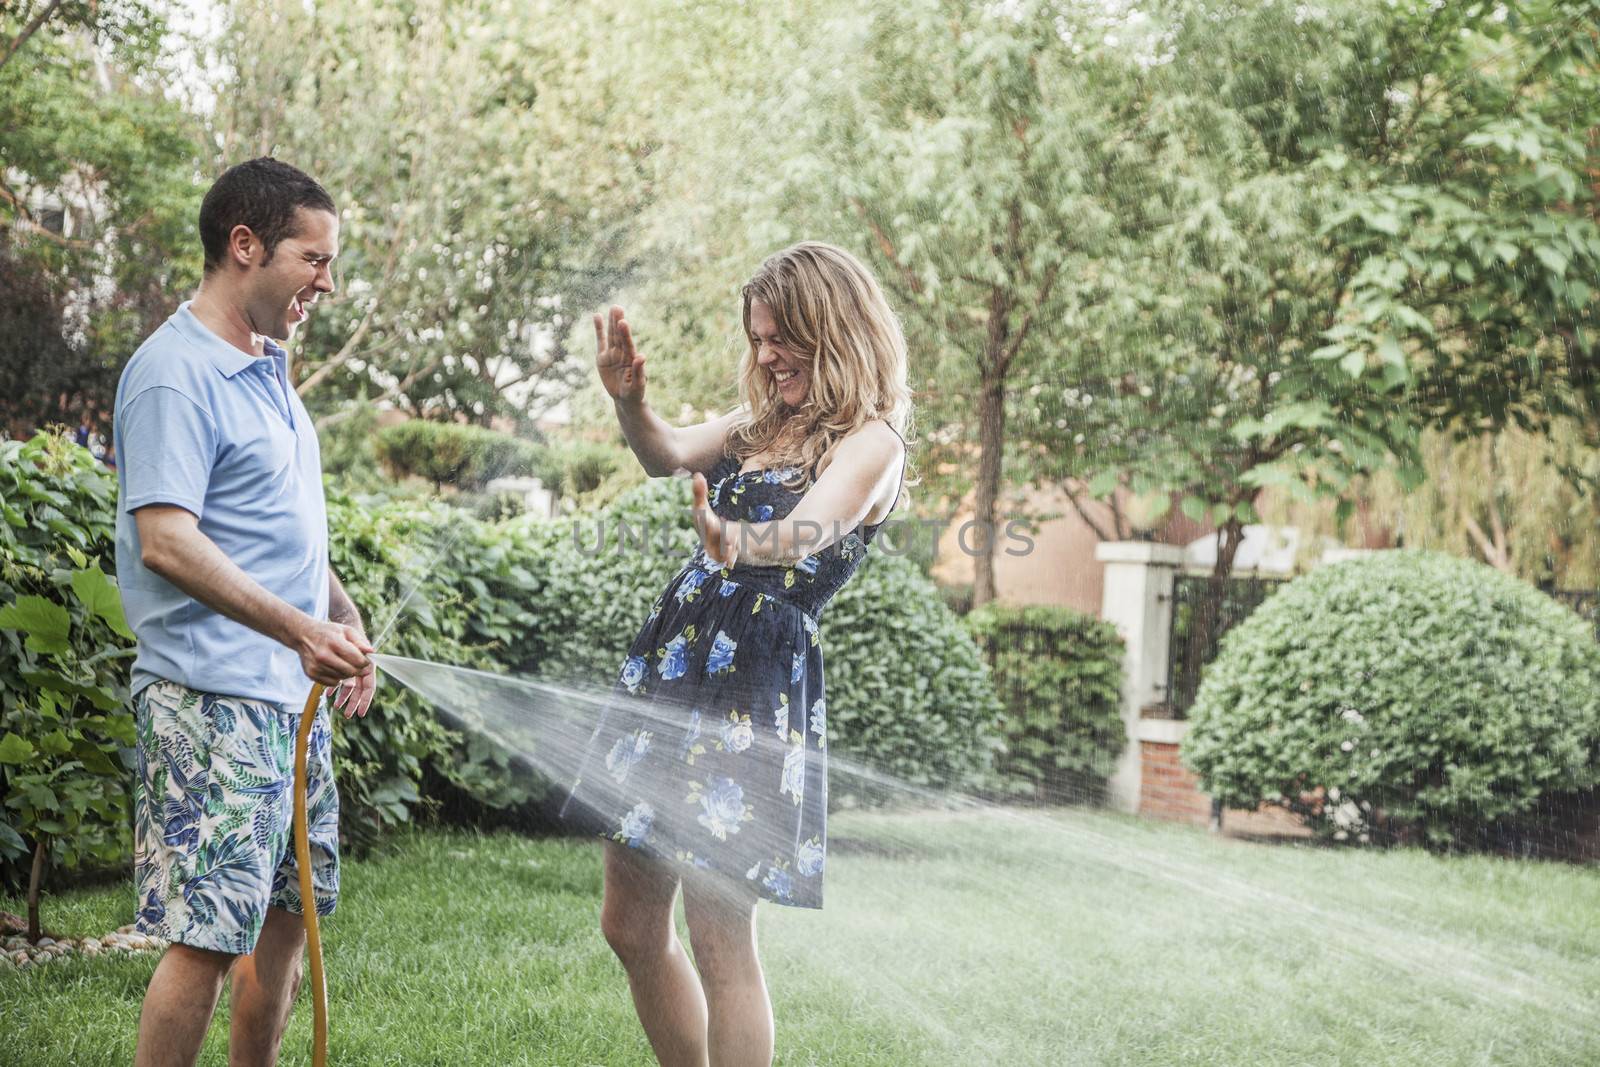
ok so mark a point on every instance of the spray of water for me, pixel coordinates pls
(549, 730)
(548, 727)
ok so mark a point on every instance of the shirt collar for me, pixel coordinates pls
(225, 357)
(278, 355)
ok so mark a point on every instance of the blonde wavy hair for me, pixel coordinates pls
(830, 309)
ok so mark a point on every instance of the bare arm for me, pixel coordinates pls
(863, 468)
(173, 547)
(355, 695)
(662, 449)
(341, 609)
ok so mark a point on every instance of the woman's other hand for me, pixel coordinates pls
(619, 362)
(717, 535)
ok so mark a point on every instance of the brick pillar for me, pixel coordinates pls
(1168, 789)
(1137, 600)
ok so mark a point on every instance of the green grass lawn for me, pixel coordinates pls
(972, 938)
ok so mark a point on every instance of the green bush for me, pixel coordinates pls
(436, 585)
(908, 691)
(1059, 676)
(594, 591)
(64, 714)
(1403, 695)
(452, 453)
(66, 733)
(579, 468)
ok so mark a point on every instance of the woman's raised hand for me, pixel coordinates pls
(716, 534)
(619, 362)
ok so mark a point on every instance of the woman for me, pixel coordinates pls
(714, 749)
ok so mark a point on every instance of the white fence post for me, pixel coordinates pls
(1137, 599)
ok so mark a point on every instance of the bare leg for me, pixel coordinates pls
(722, 930)
(265, 984)
(178, 1006)
(637, 921)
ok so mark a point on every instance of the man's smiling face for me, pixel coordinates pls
(284, 288)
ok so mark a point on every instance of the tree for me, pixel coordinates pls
(1353, 181)
(1474, 240)
(991, 171)
(1516, 500)
(113, 22)
(97, 198)
(484, 176)
(723, 122)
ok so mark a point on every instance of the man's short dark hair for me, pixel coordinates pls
(262, 194)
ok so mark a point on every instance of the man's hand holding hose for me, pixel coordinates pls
(336, 655)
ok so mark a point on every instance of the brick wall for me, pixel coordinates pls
(1167, 790)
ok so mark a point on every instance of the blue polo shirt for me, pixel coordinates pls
(219, 433)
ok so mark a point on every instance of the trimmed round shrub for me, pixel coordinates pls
(909, 694)
(1404, 695)
(453, 453)
(1058, 673)
(580, 468)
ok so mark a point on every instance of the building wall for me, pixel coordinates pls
(1060, 568)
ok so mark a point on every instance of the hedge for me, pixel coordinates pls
(452, 453)
(66, 733)
(909, 694)
(1059, 676)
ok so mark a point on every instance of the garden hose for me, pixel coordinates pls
(308, 900)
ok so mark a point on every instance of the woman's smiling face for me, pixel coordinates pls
(775, 354)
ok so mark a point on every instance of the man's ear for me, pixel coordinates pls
(244, 248)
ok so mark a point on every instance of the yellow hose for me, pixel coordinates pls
(308, 899)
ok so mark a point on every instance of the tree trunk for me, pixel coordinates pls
(1231, 534)
(41, 850)
(1205, 620)
(1211, 620)
(991, 453)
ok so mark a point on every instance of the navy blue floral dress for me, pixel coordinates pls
(712, 752)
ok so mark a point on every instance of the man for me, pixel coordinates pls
(222, 555)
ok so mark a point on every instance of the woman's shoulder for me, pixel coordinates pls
(873, 446)
(876, 437)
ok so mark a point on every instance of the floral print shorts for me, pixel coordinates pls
(213, 809)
